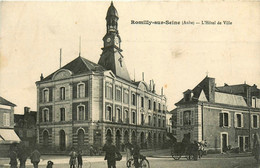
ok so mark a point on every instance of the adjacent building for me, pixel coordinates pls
(83, 103)
(25, 127)
(226, 116)
(7, 134)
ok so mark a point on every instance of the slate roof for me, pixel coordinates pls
(229, 99)
(6, 102)
(111, 11)
(78, 66)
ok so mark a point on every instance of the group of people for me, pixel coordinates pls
(75, 158)
(21, 154)
(112, 153)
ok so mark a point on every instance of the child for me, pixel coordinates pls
(49, 164)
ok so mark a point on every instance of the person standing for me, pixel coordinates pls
(13, 158)
(80, 162)
(73, 158)
(128, 147)
(111, 152)
(136, 154)
(35, 158)
(22, 155)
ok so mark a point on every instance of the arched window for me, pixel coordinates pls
(81, 112)
(46, 116)
(126, 116)
(62, 93)
(81, 90)
(119, 115)
(109, 113)
(46, 95)
(81, 138)
(149, 105)
(154, 106)
(62, 140)
(45, 138)
(133, 117)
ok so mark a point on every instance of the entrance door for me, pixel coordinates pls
(224, 142)
(62, 140)
(241, 144)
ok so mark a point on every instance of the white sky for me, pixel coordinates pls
(176, 57)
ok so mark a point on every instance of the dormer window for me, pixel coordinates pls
(187, 97)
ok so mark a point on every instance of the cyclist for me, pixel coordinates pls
(136, 154)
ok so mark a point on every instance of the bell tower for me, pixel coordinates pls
(111, 57)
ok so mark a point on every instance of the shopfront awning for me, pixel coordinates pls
(8, 136)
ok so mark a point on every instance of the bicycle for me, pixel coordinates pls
(143, 162)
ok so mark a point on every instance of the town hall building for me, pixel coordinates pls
(83, 103)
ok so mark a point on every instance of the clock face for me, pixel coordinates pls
(108, 40)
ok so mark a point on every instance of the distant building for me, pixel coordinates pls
(25, 127)
(7, 134)
(83, 103)
(226, 116)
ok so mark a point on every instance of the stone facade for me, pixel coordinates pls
(83, 103)
(227, 120)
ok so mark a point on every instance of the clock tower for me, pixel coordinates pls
(111, 57)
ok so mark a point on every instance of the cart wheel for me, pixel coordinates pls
(130, 163)
(145, 164)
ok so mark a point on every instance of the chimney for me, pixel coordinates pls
(41, 77)
(162, 91)
(143, 76)
(211, 89)
(26, 110)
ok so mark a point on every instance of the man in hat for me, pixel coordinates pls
(111, 152)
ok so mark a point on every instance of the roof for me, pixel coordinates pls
(6, 102)
(238, 89)
(112, 11)
(229, 99)
(78, 66)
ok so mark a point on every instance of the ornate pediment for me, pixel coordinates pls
(143, 86)
(62, 74)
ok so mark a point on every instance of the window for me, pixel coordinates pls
(238, 120)
(6, 119)
(255, 121)
(142, 119)
(164, 109)
(142, 102)
(81, 112)
(81, 90)
(154, 121)
(133, 117)
(187, 118)
(126, 96)
(62, 114)
(46, 115)
(109, 113)
(126, 116)
(119, 115)
(159, 106)
(62, 93)
(45, 95)
(187, 97)
(149, 105)
(109, 91)
(149, 120)
(154, 106)
(133, 100)
(163, 123)
(118, 94)
(224, 119)
(159, 122)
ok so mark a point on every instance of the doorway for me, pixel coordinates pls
(62, 140)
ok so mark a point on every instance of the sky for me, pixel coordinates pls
(176, 57)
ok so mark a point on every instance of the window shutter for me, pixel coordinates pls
(257, 121)
(50, 94)
(235, 120)
(86, 112)
(242, 120)
(86, 89)
(40, 95)
(192, 118)
(74, 90)
(181, 118)
(74, 111)
(252, 122)
(229, 120)
(50, 114)
(221, 119)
